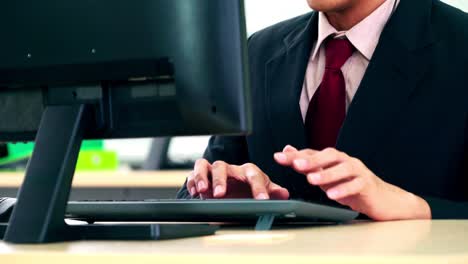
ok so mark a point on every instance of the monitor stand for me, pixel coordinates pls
(38, 216)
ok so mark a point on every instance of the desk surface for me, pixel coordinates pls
(144, 179)
(386, 242)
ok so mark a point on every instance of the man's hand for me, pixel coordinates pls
(349, 182)
(222, 180)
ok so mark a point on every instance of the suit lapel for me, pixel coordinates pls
(284, 79)
(399, 62)
(381, 94)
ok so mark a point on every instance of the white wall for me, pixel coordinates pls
(462, 4)
(262, 13)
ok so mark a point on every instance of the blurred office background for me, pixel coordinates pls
(162, 153)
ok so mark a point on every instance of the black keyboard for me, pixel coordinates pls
(195, 210)
(224, 210)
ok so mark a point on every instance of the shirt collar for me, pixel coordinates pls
(364, 36)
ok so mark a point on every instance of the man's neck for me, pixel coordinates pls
(349, 17)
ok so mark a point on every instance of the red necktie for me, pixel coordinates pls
(327, 108)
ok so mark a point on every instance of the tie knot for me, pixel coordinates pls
(337, 52)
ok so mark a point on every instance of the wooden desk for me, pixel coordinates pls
(387, 242)
(108, 179)
(131, 185)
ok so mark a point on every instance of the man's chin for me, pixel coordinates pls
(329, 5)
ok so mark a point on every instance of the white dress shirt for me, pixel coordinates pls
(364, 36)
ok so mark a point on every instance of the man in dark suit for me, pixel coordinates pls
(363, 103)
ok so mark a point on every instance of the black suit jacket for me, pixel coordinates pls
(408, 121)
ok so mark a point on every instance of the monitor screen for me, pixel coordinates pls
(146, 68)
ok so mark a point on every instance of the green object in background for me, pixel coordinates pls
(17, 152)
(92, 160)
(91, 157)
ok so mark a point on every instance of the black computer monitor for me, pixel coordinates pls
(147, 68)
(86, 69)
